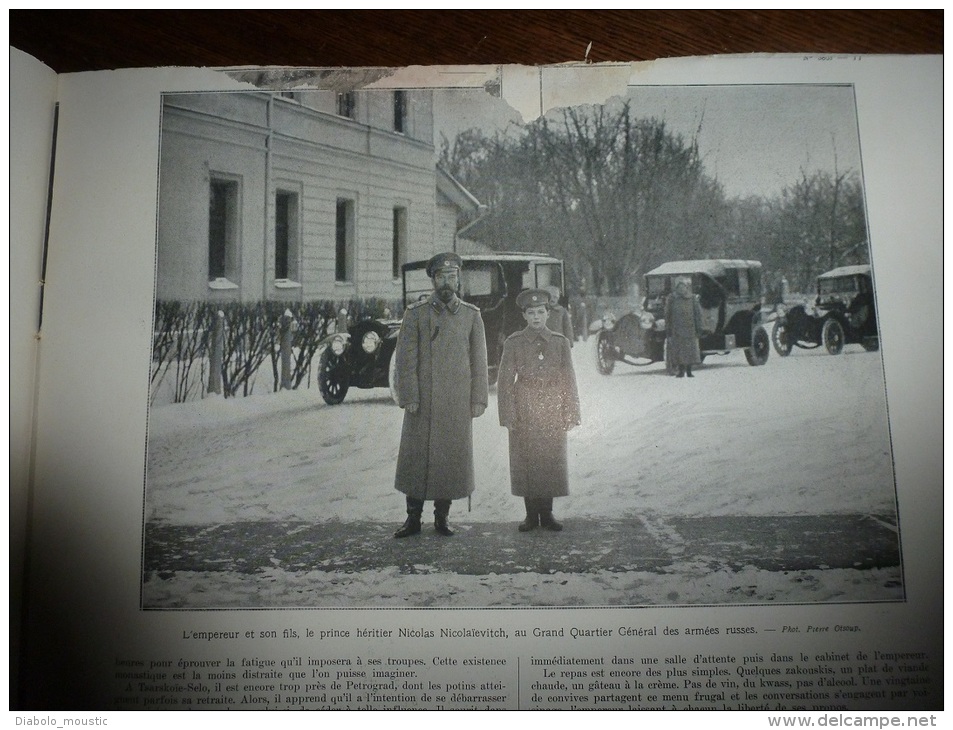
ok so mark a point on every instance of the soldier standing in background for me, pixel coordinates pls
(538, 403)
(441, 374)
(559, 319)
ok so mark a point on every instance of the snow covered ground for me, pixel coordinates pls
(802, 435)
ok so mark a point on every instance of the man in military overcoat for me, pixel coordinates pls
(441, 374)
(538, 404)
(559, 319)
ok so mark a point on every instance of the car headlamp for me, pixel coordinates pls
(608, 321)
(660, 325)
(338, 345)
(370, 342)
(646, 320)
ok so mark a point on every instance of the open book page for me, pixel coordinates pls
(232, 254)
(33, 96)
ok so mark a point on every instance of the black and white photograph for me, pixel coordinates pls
(572, 386)
(425, 347)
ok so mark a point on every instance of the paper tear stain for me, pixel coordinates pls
(531, 91)
(534, 91)
(587, 83)
(328, 79)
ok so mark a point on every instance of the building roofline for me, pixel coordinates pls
(457, 194)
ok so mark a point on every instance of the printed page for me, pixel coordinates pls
(743, 514)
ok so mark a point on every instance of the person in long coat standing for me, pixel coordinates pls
(683, 325)
(559, 320)
(441, 374)
(538, 404)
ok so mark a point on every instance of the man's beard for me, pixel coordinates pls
(445, 293)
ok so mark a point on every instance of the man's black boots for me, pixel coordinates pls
(532, 516)
(441, 510)
(546, 519)
(411, 526)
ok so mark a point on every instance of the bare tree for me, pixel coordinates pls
(180, 343)
(248, 338)
(614, 195)
(821, 224)
(609, 193)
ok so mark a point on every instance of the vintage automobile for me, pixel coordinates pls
(729, 292)
(843, 312)
(361, 355)
(356, 356)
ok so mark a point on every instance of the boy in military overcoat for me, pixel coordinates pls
(538, 404)
(441, 374)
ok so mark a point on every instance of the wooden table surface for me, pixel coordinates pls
(87, 40)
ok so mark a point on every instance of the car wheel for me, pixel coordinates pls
(333, 377)
(605, 357)
(760, 348)
(781, 339)
(832, 335)
(392, 377)
(871, 344)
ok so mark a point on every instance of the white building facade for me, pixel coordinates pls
(298, 196)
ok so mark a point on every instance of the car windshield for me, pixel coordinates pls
(417, 285)
(837, 285)
(744, 283)
(656, 286)
(478, 279)
(549, 275)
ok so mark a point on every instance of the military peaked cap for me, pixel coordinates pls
(448, 260)
(532, 298)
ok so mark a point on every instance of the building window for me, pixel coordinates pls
(286, 235)
(289, 95)
(344, 241)
(399, 246)
(346, 104)
(400, 111)
(223, 229)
